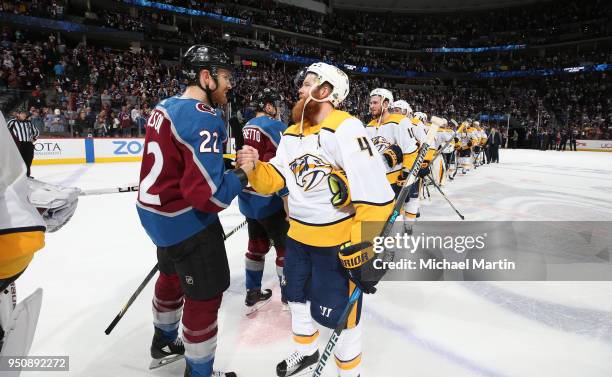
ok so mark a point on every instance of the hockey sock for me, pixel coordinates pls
(200, 334)
(254, 261)
(167, 305)
(304, 334)
(348, 352)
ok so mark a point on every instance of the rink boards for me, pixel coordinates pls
(87, 150)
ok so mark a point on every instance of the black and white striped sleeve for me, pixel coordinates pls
(12, 128)
(35, 131)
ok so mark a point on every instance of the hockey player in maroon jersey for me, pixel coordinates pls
(265, 214)
(183, 185)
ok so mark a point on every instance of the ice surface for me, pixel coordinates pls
(89, 269)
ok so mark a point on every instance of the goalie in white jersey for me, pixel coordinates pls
(336, 181)
(22, 233)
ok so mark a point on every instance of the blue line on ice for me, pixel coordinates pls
(75, 175)
(410, 336)
(580, 321)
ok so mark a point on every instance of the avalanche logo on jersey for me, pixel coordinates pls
(205, 108)
(380, 143)
(309, 170)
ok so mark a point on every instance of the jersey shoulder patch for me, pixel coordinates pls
(202, 107)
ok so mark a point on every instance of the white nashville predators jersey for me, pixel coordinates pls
(21, 226)
(393, 130)
(444, 139)
(418, 130)
(303, 163)
(474, 135)
(464, 137)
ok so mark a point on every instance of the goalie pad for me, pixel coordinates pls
(21, 325)
(55, 203)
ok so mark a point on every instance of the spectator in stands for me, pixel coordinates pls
(105, 98)
(114, 124)
(101, 125)
(59, 70)
(36, 98)
(125, 122)
(47, 116)
(58, 122)
(36, 119)
(138, 119)
(90, 116)
(81, 126)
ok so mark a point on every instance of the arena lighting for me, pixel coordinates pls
(573, 69)
(192, 12)
(475, 49)
(530, 72)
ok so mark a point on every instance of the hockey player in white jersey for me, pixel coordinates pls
(417, 128)
(390, 135)
(336, 181)
(480, 144)
(465, 136)
(401, 107)
(444, 146)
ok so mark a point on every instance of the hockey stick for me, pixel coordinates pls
(397, 207)
(146, 281)
(110, 190)
(456, 165)
(445, 197)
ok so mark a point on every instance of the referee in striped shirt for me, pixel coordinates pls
(26, 134)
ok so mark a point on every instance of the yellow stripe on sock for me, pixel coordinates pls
(348, 365)
(305, 339)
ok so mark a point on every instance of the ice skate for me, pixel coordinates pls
(164, 351)
(256, 299)
(297, 364)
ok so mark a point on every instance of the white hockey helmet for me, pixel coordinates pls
(385, 94)
(421, 116)
(476, 123)
(403, 105)
(335, 77)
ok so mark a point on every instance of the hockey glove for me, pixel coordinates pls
(358, 262)
(393, 155)
(55, 203)
(425, 170)
(401, 179)
(338, 185)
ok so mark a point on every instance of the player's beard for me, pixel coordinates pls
(218, 97)
(312, 108)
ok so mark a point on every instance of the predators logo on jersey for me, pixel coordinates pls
(309, 170)
(380, 143)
